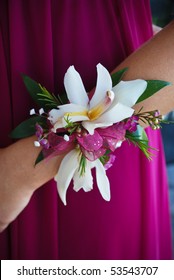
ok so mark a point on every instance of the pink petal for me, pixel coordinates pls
(116, 131)
(90, 142)
(93, 155)
(58, 145)
(110, 143)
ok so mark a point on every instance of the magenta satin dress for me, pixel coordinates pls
(42, 39)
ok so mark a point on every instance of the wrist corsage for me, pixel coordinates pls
(89, 130)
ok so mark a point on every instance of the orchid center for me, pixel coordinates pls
(95, 112)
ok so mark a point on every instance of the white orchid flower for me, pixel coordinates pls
(107, 106)
(84, 181)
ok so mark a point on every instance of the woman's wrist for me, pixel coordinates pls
(20, 177)
(18, 165)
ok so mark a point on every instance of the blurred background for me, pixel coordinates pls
(163, 13)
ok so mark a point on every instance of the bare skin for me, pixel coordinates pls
(18, 176)
(155, 61)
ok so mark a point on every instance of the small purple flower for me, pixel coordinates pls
(39, 131)
(156, 113)
(110, 162)
(44, 143)
(131, 124)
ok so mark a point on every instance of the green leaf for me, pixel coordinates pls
(105, 157)
(152, 87)
(139, 138)
(140, 133)
(82, 165)
(39, 158)
(40, 94)
(64, 98)
(116, 77)
(27, 127)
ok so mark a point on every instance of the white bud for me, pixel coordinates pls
(36, 144)
(41, 111)
(32, 112)
(66, 137)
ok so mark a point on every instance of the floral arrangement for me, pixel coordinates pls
(89, 130)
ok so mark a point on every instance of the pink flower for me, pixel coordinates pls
(131, 124)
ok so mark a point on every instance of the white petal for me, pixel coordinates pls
(104, 84)
(74, 87)
(65, 173)
(73, 119)
(90, 126)
(71, 107)
(128, 92)
(57, 125)
(102, 180)
(54, 115)
(73, 113)
(85, 181)
(116, 114)
(119, 143)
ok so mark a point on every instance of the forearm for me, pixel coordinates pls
(19, 158)
(20, 177)
(155, 60)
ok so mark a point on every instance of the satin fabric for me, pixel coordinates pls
(42, 39)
